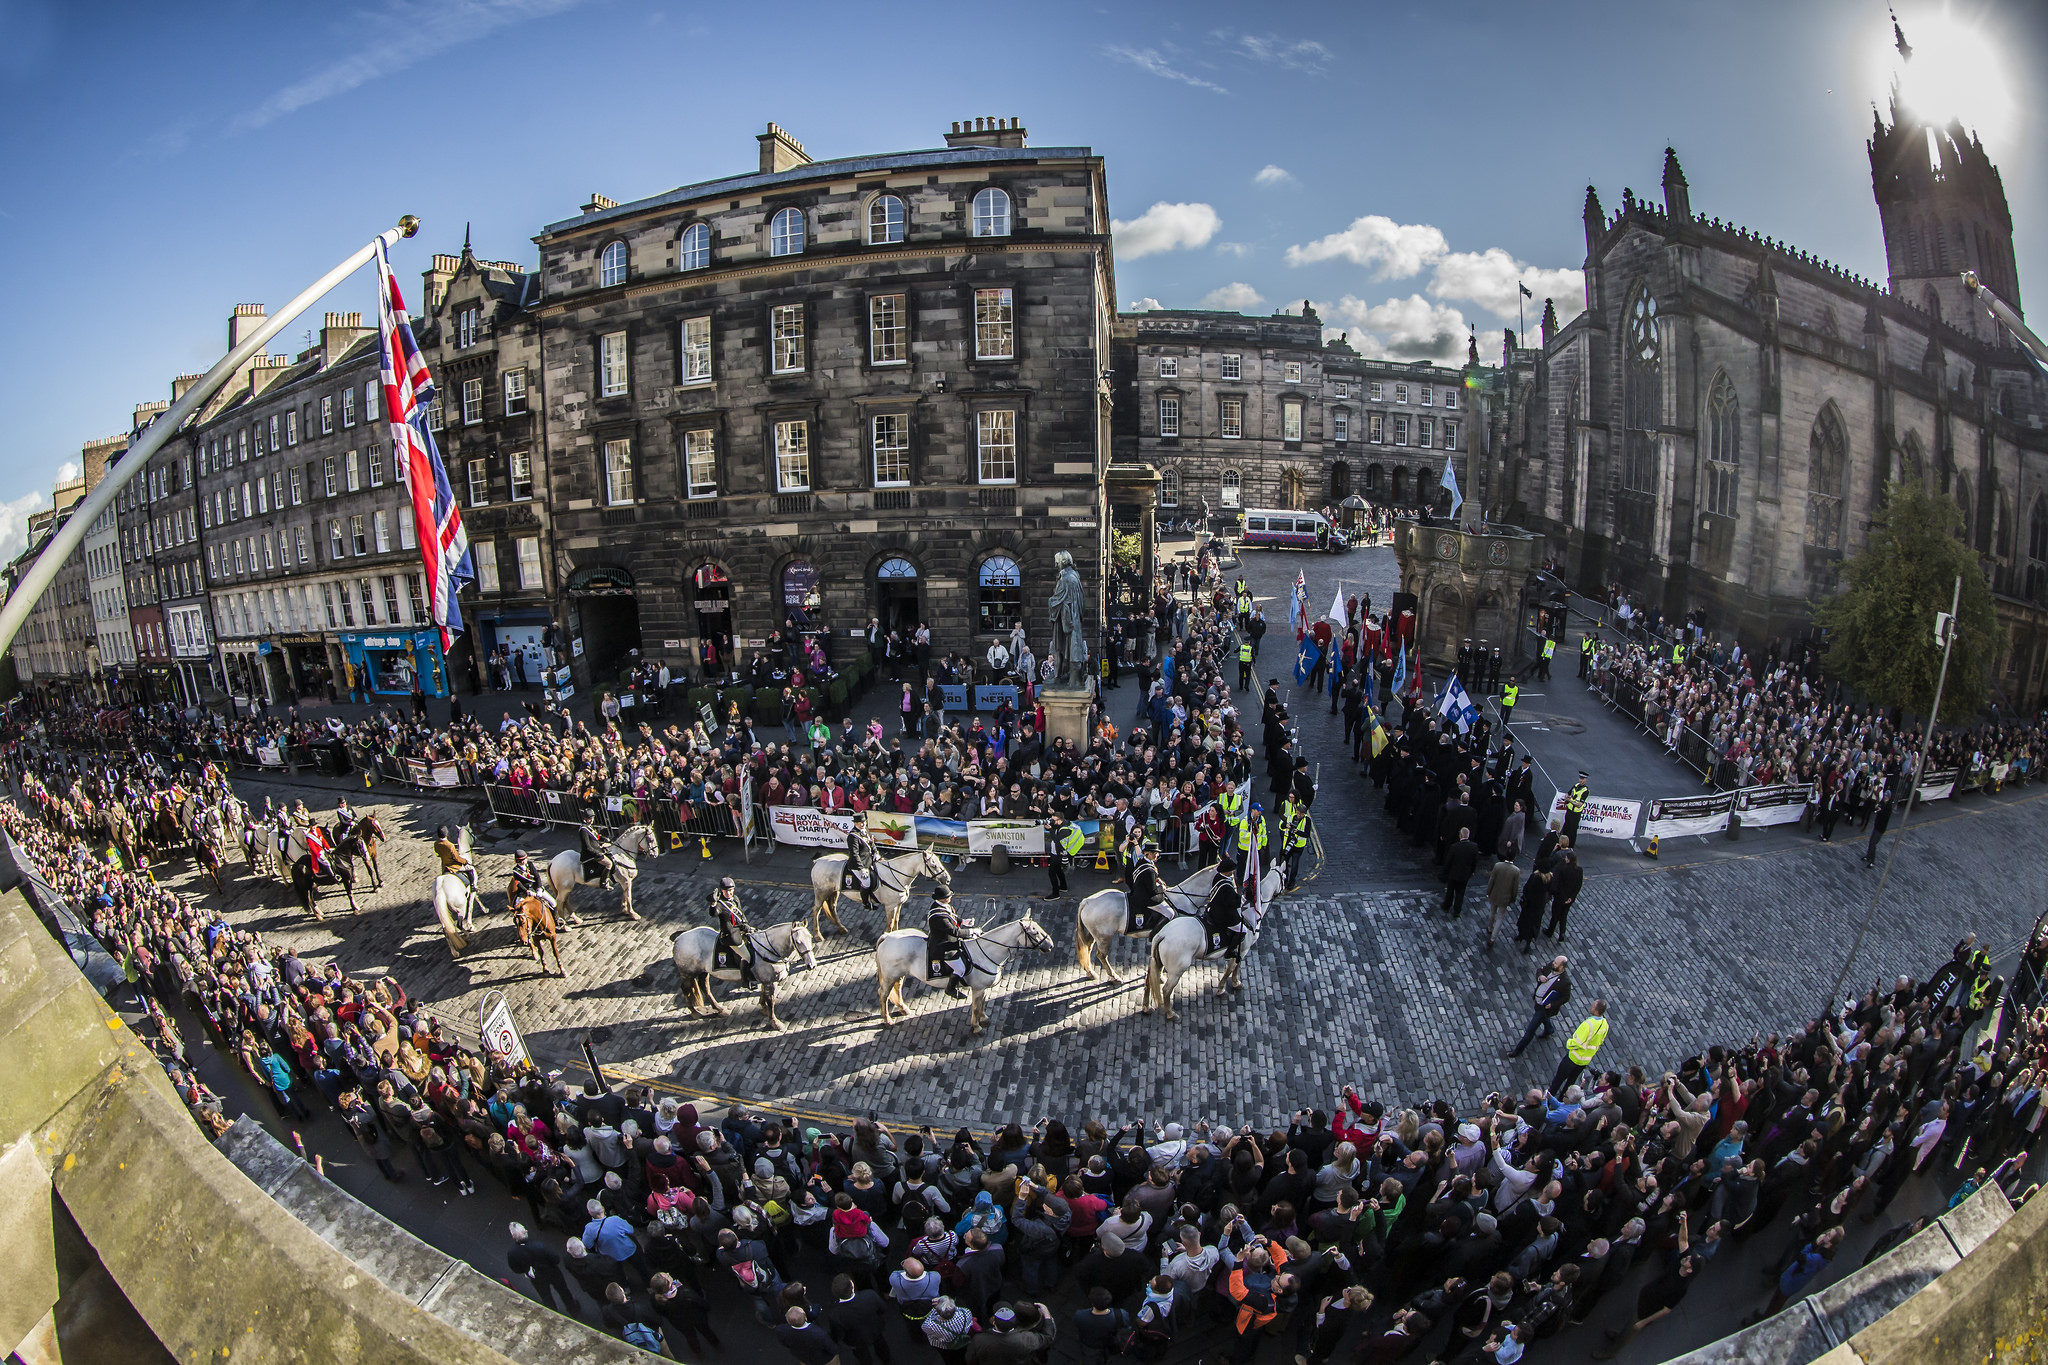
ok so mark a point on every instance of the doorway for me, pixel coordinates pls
(896, 595)
(611, 632)
(713, 601)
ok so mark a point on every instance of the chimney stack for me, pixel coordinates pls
(987, 132)
(246, 318)
(598, 203)
(780, 151)
(434, 281)
(338, 332)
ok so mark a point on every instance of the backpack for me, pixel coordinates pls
(859, 1250)
(1151, 1335)
(641, 1335)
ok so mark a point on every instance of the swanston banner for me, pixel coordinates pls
(1024, 838)
(1673, 816)
(1603, 816)
(809, 827)
(1781, 804)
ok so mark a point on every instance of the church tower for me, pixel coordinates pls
(1943, 207)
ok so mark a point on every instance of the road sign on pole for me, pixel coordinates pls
(496, 1029)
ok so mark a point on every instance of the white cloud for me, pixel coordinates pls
(1236, 297)
(68, 471)
(1273, 175)
(1151, 60)
(14, 523)
(411, 31)
(1238, 249)
(1392, 250)
(1490, 278)
(1298, 54)
(1164, 227)
(1413, 328)
(1148, 304)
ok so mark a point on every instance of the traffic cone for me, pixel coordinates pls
(704, 846)
(1650, 849)
(675, 840)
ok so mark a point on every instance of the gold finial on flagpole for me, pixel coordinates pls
(409, 225)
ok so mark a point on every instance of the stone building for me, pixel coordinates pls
(311, 557)
(476, 327)
(820, 392)
(160, 545)
(1237, 411)
(1716, 429)
(105, 583)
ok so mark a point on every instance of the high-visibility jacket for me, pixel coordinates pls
(1509, 693)
(1575, 799)
(1072, 841)
(1979, 991)
(1230, 801)
(1678, 654)
(1244, 652)
(1549, 648)
(1587, 644)
(1293, 825)
(1244, 832)
(1586, 1040)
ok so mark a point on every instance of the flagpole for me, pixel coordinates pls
(72, 533)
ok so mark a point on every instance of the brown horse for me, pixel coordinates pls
(537, 928)
(360, 843)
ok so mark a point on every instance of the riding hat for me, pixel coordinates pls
(725, 884)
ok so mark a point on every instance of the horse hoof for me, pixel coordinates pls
(1172, 1018)
(777, 1025)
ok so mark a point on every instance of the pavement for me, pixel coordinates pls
(1360, 978)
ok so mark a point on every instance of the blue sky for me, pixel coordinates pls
(1401, 164)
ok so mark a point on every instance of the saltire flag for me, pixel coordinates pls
(1297, 606)
(408, 390)
(1337, 612)
(1454, 705)
(1401, 669)
(1305, 660)
(1450, 481)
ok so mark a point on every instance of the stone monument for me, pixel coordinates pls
(1069, 691)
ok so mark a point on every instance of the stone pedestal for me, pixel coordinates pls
(1066, 713)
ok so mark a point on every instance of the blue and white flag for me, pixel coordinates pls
(1452, 704)
(1305, 659)
(1450, 481)
(1297, 606)
(1401, 669)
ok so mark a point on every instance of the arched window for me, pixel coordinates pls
(896, 567)
(1643, 393)
(614, 265)
(786, 233)
(1912, 465)
(1724, 447)
(885, 220)
(2001, 541)
(1233, 489)
(696, 246)
(2037, 550)
(992, 213)
(1967, 533)
(999, 595)
(1827, 463)
(1169, 488)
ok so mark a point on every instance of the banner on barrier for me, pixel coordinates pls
(942, 836)
(1669, 818)
(988, 698)
(892, 829)
(808, 826)
(269, 756)
(1603, 816)
(953, 696)
(420, 773)
(1780, 804)
(1024, 838)
(1939, 784)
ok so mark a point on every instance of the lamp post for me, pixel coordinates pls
(1945, 632)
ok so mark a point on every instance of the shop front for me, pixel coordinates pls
(246, 679)
(514, 641)
(388, 664)
(306, 660)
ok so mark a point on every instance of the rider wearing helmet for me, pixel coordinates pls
(943, 930)
(526, 881)
(860, 861)
(732, 926)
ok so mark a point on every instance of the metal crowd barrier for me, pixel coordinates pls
(678, 820)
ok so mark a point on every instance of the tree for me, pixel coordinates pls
(1883, 625)
(1126, 548)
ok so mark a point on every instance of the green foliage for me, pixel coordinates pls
(1883, 625)
(1125, 548)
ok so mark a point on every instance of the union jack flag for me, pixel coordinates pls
(408, 390)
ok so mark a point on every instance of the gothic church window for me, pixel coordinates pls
(1827, 461)
(1724, 447)
(1643, 394)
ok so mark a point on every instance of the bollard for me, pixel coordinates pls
(999, 860)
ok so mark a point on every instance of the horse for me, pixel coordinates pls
(1184, 941)
(206, 852)
(454, 906)
(308, 886)
(537, 928)
(894, 877)
(283, 850)
(901, 955)
(1102, 915)
(565, 870)
(359, 843)
(696, 953)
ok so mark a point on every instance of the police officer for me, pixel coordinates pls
(1509, 695)
(1678, 651)
(1543, 660)
(732, 926)
(1294, 831)
(860, 861)
(1587, 644)
(943, 930)
(1146, 893)
(1244, 664)
(1063, 844)
(1251, 833)
(1575, 807)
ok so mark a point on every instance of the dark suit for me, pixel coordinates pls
(857, 1324)
(810, 1344)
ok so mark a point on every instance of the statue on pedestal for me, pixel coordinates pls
(1069, 652)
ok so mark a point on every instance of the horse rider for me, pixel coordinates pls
(1223, 917)
(733, 928)
(527, 880)
(1147, 896)
(345, 814)
(597, 862)
(860, 862)
(317, 847)
(454, 862)
(944, 931)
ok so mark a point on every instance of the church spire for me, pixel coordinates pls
(1677, 197)
(1596, 220)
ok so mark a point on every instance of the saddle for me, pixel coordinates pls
(854, 879)
(1140, 921)
(724, 958)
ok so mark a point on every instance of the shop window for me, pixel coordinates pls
(999, 595)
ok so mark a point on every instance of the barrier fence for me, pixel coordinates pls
(676, 819)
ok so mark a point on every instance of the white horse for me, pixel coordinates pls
(1184, 941)
(894, 878)
(1102, 916)
(771, 949)
(455, 904)
(565, 869)
(901, 955)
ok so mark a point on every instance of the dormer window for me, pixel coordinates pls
(885, 220)
(786, 233)
(696, 246)
(992, 213)
(612, 269)
(467, 325)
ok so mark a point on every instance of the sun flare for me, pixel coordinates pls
(1956, 71)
